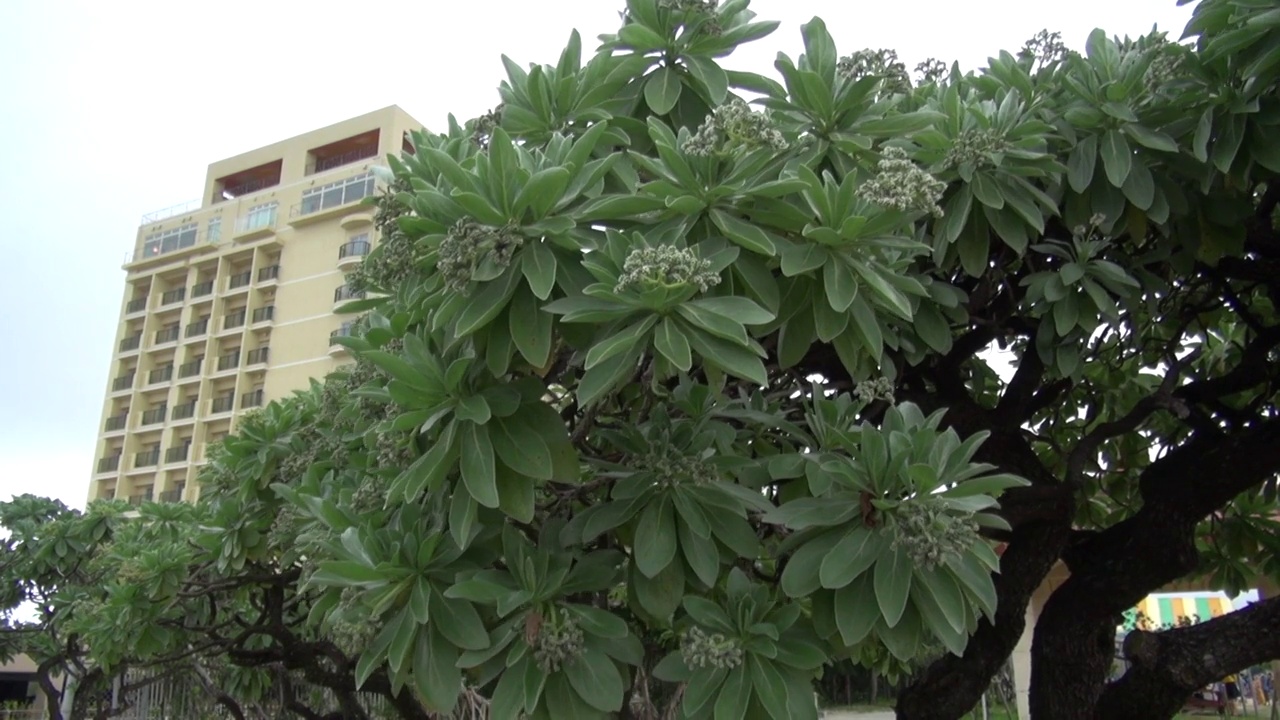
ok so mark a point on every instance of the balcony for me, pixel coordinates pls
(135, 305)
(331, 197)
(133, 342)
(264, 313)
(251, 399)
(168, 335)
(257, 356)
(136, 500)
(124, 382)
(202, 289)
(224, 404)
(233, 320)
(176, 295)
(172, 496)
(159, 375)
(147, 458)
(240, 280)
(116, 422)
(191, 368)
(347, 330)
(185, 411)
(229, 361)
(330, 162)
(270, 272)
(352, 253)
(197, 328)
(342, 293)
(259, 221)
(109, 464)
(155, 415)
(177, 454)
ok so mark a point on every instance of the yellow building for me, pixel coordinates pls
(229, 300)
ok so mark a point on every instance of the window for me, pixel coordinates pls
(169, 240)
(259, 216)
(335, 194)
(214, 233)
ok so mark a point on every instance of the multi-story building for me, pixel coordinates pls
(229, 300)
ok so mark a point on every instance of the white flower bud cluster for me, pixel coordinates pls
(559, 641)
(872, 390)
(734, 125)
(701, 650)
(931, 70)
(930, 534)
(883, 64)
(484, 126)
(467, 245)
(976, 146)
(901, 185)
(665, 266)
(672, 468)
(1045, 48)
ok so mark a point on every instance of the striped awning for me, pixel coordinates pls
(1170, 609)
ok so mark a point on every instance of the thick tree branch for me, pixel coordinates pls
(1168, 666)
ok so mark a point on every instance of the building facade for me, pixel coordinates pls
(228, 300)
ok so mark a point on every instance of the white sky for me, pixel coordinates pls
(111, 110)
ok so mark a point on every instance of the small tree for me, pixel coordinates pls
(679, 382)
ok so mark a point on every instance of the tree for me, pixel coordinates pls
(677, 382)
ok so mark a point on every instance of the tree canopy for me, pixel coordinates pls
(677, 382)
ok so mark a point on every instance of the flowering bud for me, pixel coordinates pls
(701, 650)
(665, 266)
(901, 185)
(731, 126)
(468, 244)
(930, 534)
(559, 641)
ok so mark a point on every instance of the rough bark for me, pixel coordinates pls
(1168, 666)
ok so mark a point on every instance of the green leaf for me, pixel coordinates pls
(976, 580)
(891, 298)
(436, 678)
(1081, 163)
(855, 614)
(621, 342)
(713, 323)
(769, 687)
(485, 305)
(662, 90)
(987, 191)
(541, 191)
(474, 408)
(530, 328)
(701, 553)
(1139, 186)
(641, 37)
(857, 550)
(670, 340)
(800, 577)
(1153, 139)
(478, 464)
(459, 622)
(802, 257)
(736, 308)
(746, 234)
(596, 680)
(655, 539)
(712, 77)
(866, 327)
(515, 493)
(1117, 158)
(734, 696)
(539, 266)
(563, 702)
(661, 595)
(345, 573)
(522, 447)
(840, 286)
(604, 377)
(892, 585)
(942, 588)
(730, 358)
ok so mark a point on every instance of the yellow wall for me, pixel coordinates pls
(304, 242)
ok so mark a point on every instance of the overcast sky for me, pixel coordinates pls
(111, 110)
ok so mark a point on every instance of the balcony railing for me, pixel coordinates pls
(251, 399)
(259, 217)
(270, 272)
(347, 330)
(228, 361)
(154, 415)
(192, 367)
(109, 464)
(184, 411)
(334, 195)
(233, 320)
(224, 404)
(136, 305)
(240, 279)
(250, 186)
(147, 458)
(172, 496)
(124, 382)
(131, 343)
(116, 422)
(136, 500)
(333, 161)
(202, 289)
(257, 355)
(162, 374)
(355, 248)
(177, 454)
(265, 313)
(342, 292)
(198, 327)
(173, 296)
(169, 334)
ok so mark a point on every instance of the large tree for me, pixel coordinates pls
(676, 382)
